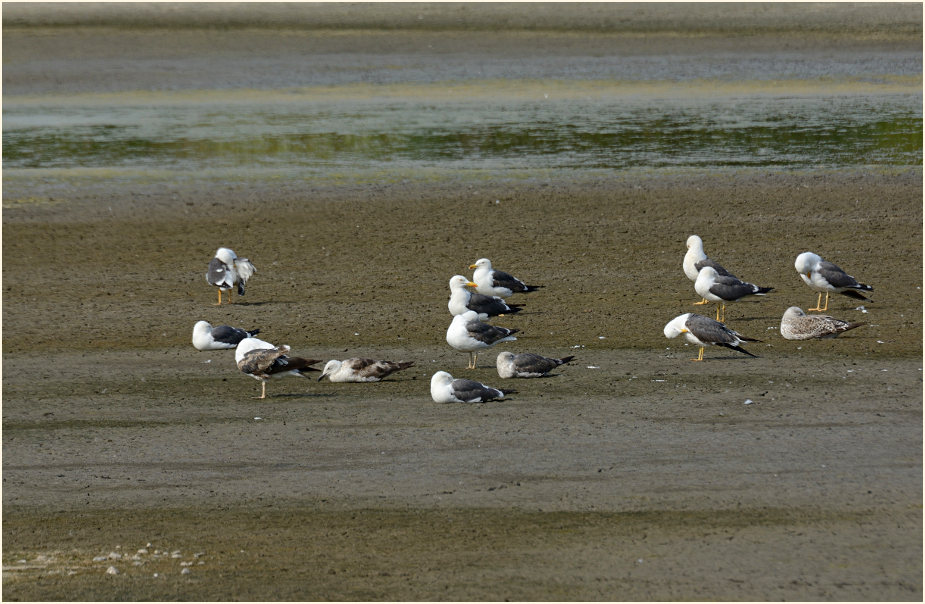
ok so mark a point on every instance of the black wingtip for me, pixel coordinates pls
(252, 332)
(854, 294)
(740, 349)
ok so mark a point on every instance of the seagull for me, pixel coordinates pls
(262, 361)
(361, 370)
(526, 364)
(722, 289)
(695, 259)
(497, 283)
(797, 325)
(445, 389)
(206, 337)
(227, 271)
(461, 300)
(824, 277)
(704, 331)
(467, 334)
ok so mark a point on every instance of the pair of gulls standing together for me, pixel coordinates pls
(715, 284)
(262, 360)
(469, 333)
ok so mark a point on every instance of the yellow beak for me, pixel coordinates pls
(471, 266)
(471, 284)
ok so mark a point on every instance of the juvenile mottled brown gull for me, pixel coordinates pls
(797, 325)
(695, 259)
(461, 300)
(467, 334)
(704, 331)
(206, 337)
(227, 271)
(445, 389)
(262, 361)
(824, 277)
(724, 288)
(491, 282)
(361, 370)
(526, 364)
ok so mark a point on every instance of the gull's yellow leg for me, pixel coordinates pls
(219, 298)
(699, 356)
(229, 295)
(703, 301)
(819, 302)
(826, 307)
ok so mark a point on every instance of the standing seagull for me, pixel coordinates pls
(695, 259)
(704, 331)
(445, 389)
(262, 361)
(206, 337)
(461, 300)
(526, 364)
(467, 334)
(361, 370)
(824, 277)
(797, 325)
(227, 271)
(497, 283)
(724, 288)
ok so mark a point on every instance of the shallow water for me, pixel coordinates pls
(608, 131)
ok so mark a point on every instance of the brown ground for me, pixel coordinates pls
(632, 474)
(647, 477)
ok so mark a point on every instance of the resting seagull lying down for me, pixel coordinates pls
(227, 271)
(724, 288)
(824, 277)
(461, 300)
(797, 325)
(262, 361)
(361, 370)
(704, 331)
(206, 337)
(491, 282)
(526, 364)
(445, 389)
(467, 334)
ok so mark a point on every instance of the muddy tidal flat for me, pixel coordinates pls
(360, 166)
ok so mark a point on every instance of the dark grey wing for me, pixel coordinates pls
(470, 391)
(218, 274)
(730, 288)
(714, 265)
(229, 335)
(502, 279)
(527, 362)
(707, 330)
(487, 334)
(490, 305)
(839, 278)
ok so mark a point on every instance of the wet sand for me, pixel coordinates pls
(630, 474)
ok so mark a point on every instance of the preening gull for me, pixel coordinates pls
(445, 389)
(461, 300)
(797, 325)
(695, 259)
(227, 272)
(704, 331)
(724, 288)
(526, 364)
(492, 282)
(361, 370)
(262, 361)
(467, 334)
(824, 277)
(206, 337)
